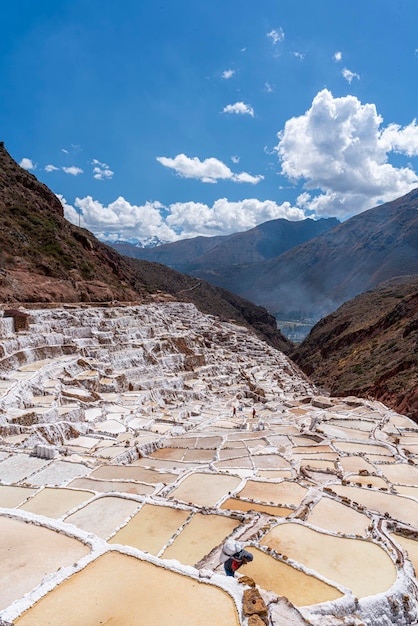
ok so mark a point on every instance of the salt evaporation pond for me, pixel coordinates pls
(361, 566)
(152, 473)
(36, 551)
(151, 528)
(275, 575)
(119, 589)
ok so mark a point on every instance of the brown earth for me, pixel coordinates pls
(369, 347)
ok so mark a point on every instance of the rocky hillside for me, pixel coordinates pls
(198, 254)
(45, 258)
(369, 347)
(316, 277)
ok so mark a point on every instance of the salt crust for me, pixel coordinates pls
(148, 345)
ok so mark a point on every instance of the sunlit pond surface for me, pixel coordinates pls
(361, 566)
(121, 590)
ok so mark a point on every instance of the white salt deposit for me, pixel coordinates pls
(154, 470)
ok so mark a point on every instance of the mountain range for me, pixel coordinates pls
(317, 271)
(367, 347)
(200, 254)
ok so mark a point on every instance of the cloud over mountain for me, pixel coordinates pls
(129, 222)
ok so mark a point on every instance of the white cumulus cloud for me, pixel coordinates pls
(101, 171)
(276, 35)
(50, 168)
(240, 108)
(338, 56)
(73, 170)
(225, 217)
(228, 74)
(340, 148)
(27, 164)
(349, 75)
(121, 220)
(208, 171)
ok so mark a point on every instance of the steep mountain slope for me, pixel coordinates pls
(45, 258)
(263, 242)
(316, 277)
(369, 347)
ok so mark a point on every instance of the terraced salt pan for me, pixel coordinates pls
(20, 467)
(412, 492)
(113, 427)
(36, 551)
(58, 473)
(201, 534)
(338, 518)
(11, 497)
(285, 580)
(83, 442)
(355, 464)
(359, 565)
(357, 448)
(110, 453)
(270, 461)
(340, 431)
(235, 504)
(183, 454)
(411, 546)
(205, 489)
(244, 463)
(401, 473)
(398, 507)
(106, 486)
(151, 528)
(55, 503)
(374, 481)
(104, 515)
(286, 492)
(366, 425)
(274, 474)
(119, 589)
(318, 464)
(131, 472)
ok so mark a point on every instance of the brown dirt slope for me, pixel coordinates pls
(44, 258)
(369, 347)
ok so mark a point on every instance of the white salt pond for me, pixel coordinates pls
(34, 550)
(151, 528)
(55, 503)
(205, 489)
(119, 589)
(285, 492)
(103, 516)
(338, 518)
(398, 507)
(361, 566)
(199, 537)
(275, 575)
(147, 484)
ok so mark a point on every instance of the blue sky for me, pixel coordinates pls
(175, 118)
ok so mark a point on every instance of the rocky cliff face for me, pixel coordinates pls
(369, 347)
(19, 187)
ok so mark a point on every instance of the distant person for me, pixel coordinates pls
(236, 560)
(253, 413)
(234, 411)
